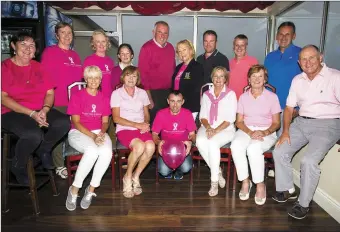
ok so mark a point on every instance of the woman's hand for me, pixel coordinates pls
(143, 127)
(211, 132)
(160, 147)
(40, 118)
(99, 138)
(258, 135)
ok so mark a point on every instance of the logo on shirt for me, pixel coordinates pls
(107, 68)
(187, 76)
(93, 108)
(71, 60)
(175, 125)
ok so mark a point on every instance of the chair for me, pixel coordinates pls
(226, 156)
(6, 164)
(122, 156)
(73, 156)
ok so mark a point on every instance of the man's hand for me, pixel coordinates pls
(283, 138)
(160, 147)
(188, 145)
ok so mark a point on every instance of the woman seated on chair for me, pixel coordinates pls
(217, 115)
(89, 110)
(27, 97)
(258, 117)
(130, 111)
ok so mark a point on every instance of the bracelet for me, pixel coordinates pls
(33, 112)
(46, 106)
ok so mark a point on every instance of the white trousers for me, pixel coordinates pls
(243, 145)
(91, 153)
(210, 148)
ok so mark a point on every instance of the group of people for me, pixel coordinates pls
(159, 100)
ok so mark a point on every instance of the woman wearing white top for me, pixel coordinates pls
(217, 115)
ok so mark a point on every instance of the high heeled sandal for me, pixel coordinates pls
(213, 189)
(259, 200)
(221, 180)
(127, 188)
(245, 196)
(137, 188)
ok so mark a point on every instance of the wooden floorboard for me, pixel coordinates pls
(170, 206)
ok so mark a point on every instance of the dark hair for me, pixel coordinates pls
(241, 36)
(62, 25)
(22, 35)
(210, 32)
(125, 45)
(287, 24)
(176, 93)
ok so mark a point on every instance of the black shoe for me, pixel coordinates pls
(20, 173)
(284, 196)
(297, 211)
(47, 161)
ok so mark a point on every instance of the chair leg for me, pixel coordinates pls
(69, 171)
(234, 180)
(157, 175)
(53, 184)
(113, 172)
(228, 171)
(5, 173)
(120, 173)
(192, 175)
(32, 185)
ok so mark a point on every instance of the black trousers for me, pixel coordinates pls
(32, 138)
(159, 97)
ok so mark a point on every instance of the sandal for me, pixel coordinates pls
(221, 180)
(137, 189)
(213, 189)
(127, 188)
(62, 172)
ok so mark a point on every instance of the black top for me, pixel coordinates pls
(190, 84)
(214, 60)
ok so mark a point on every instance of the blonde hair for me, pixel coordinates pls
(99, 32)
(130, 70)
(257, 68)
(225, 73)
(92, 71)
(188, 44)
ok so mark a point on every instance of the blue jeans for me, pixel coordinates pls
(164, 170)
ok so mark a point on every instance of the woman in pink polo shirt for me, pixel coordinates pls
(100, 44)
(258, 118)
(89, 110)
(27, 97)
(63, 66)
(131, 113)
(125, 55)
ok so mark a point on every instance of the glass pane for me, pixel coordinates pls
(108, 23)
(180, 28)
(307, 18)
(227, 28)
(332, 43)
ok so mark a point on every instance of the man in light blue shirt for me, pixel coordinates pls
(282, 65)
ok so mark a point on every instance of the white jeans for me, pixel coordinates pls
(91, 153)
(210, 148)
(243, 145)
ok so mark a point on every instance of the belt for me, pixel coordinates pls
(316, 118)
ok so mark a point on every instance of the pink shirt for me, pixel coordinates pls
(319, 98)
(90, 108)
(258, 111)
(238, 76)
(115, 76)
(179, 74)
(174, 127)
(24, 84)
(106, 65)
(64, 68)
(156, 65)
(131, 108)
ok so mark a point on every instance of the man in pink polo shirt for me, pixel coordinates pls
(174, 123)
(316, 91)
(240, 65)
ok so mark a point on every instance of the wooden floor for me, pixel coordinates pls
(170, 206)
